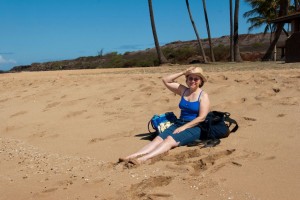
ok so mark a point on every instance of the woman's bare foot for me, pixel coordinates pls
(131, 163)
(131, 157)
(134, 161)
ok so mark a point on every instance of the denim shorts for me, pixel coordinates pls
(185, 137)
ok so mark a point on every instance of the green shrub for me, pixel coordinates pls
(257, 45)
(180, 54)
(221, 52)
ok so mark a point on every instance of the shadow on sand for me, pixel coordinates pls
(146, 136)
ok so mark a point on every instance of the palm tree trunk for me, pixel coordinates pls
(271, 36)
(237, 55)
(231, 31)
(285, 32)
(297, 6)
(161, 58)
(284, 4)
(196, 32)
(268, 54)
(208, 32)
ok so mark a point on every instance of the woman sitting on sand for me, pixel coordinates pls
(194, 106)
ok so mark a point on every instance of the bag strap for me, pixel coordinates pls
(230, 121)
(150, 123)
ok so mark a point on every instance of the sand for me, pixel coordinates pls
(62, 132)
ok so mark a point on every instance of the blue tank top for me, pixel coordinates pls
(189, 110)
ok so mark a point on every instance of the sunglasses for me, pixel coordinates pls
(193, 79)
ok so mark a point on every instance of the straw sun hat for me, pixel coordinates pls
(197, 71)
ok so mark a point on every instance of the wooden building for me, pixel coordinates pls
(292, 44)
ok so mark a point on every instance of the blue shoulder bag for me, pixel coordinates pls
(161, 122)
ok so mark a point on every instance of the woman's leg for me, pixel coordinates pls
(146, 149)
(163, 147)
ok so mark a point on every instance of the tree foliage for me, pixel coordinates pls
(262, 12)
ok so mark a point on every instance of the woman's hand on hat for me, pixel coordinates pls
(189, 70)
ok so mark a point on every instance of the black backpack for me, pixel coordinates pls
(217, 125)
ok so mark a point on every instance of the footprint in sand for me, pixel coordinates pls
(249, 119)
(4, 100)
(95, 140)
(290, 101)
(223, 77)
(270, 158)
(159, 195)
(137, 78)
(18, 113)
(145, 188)
(280, 115)
(241, 81)
(49, 190)
(76, 113)
(53, 136)
(37, 135)
(51, 105)
(215, 156)
(146, 88)
(153, 83)
(239, 101)
(276, 89)
(181, 168)
(43, 135)
(264, 96)
(185, 162)
(226, 104)
(210, 160)
(73, 102)
(11, 128)
(188, 154)
(116, 98)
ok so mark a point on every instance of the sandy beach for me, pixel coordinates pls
(62, 132)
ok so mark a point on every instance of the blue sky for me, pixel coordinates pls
(48, 30)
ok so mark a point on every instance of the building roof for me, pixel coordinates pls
(287, 18)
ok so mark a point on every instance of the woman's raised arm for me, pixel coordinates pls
(170, 83)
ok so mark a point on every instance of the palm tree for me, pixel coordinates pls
(237, 55)
(262, 12)
(231, 31)
(196, 32)
(283, 10)
(161, 58)
(208, 32)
